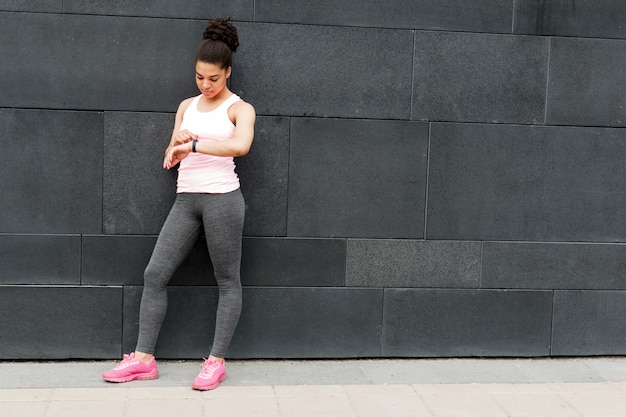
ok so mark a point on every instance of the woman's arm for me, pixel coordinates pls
(243, 116)
(180, 137)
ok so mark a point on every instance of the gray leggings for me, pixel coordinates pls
(222, 216)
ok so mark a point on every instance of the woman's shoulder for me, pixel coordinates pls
(242, 106)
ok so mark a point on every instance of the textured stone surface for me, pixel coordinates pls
(115, 260)
(589, 323)
(263, 175)
(353, 178)
(553, 266)
(426, 323)
(60, 323)
(40, 259)
(474, 16)
(491, 182)
(587, 84)
(324, 71)
(237, 9)
(479, 78)
(590, 19)
(50, 6)
(413, 263)
(52, 171)
(309, 323)
(96, 62)
(293, 262)
(295, 327)
(138, 192)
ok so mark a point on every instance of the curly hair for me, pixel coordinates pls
(219, 41)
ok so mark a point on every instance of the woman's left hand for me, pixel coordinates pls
(176, 154)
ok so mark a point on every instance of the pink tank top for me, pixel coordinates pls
(201, 173)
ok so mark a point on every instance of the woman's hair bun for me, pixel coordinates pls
(222, 30)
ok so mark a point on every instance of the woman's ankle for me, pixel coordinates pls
(143, 357)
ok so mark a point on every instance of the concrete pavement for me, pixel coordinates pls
(342, 388)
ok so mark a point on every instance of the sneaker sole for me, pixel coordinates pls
(141, 377)
(209, 387)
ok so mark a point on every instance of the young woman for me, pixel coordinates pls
(210, 130)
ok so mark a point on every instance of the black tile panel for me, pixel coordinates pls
(237, 9)
(357, 178)
(40, 259)
(263, 175)
(490, 182)
(585, 19)
(309, 323)
(553, 265)
(52, 181)
(457, 323)
(275, 323)
(589, 323)
(138, 192)
(468, 77)
(413, 263)
(96, 62)
(60, 323)
(587, 84)
(326, 71)
(474, 16)
(115, 260)
(293, 262)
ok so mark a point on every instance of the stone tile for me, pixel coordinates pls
(328, 406)
(263, 175)
(489, 182)
(553, 266)
(188, 407)
(586, 83)
(138, 192)
(365, 179)
(598, 404)
(293, 262)
(243, 406)
(413, 263)
(63, 322)
(48, 6)
(115, 260)
(534, 404)
(427, 323)
(585, 324)
(40, 259)
(380, 403)
(187, 331)
(295, 327)
(477, 16)
(22, 409)
(289, 323)
(468, 77)
(59, 50)
(323, 69)
(47, 188)
(462, 406)
(237, 9)
(599, 19)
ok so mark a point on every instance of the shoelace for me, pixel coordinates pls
(209, 367)
(126, 361)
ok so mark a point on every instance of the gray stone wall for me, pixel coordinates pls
(429, 178)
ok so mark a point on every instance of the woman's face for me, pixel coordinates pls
(211, 79)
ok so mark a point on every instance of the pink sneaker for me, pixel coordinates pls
(213, 372)
(130, 369)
